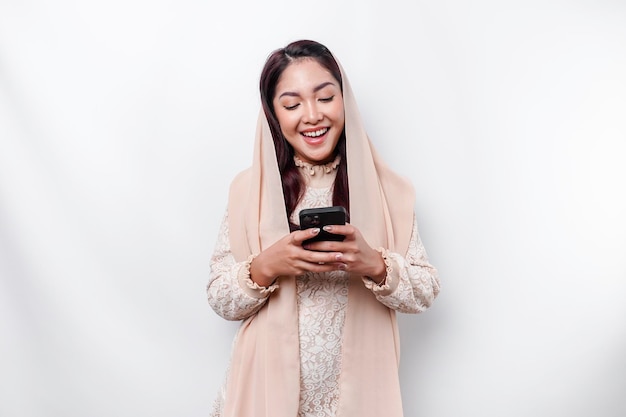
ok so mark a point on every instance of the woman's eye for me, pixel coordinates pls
(292, 107)
(327, 99)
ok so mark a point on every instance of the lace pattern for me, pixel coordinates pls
(417, 280)
(226, 295)
(410, 287)
(322, 301)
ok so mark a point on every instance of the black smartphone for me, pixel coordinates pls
(320, 217)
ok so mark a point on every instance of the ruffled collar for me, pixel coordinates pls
(311, 169)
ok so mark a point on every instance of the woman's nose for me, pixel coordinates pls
(313, 114)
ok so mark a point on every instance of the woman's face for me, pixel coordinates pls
(309, 108)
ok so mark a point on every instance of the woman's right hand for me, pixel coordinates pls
(288, 257)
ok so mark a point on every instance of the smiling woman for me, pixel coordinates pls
(309, 109)
(319, 334)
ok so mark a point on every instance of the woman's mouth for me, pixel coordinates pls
(314, 137)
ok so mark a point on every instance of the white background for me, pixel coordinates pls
(123, 122)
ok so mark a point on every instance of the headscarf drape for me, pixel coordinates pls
(264, 379)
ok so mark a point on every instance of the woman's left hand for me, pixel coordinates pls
(357, 255)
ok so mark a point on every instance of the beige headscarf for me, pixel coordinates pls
(264, 379)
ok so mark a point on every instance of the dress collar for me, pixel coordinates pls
(318, 176)
(311, 169)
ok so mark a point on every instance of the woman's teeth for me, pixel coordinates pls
(316, 133)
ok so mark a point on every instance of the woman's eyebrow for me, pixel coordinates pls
(319, 87)
(315, 90)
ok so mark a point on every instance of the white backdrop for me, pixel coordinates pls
(123, 122)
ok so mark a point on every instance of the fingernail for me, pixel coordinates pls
(328, 228)
(338, 256)
(343, 267)
(315, 230)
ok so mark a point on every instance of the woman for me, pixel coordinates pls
(319, 333)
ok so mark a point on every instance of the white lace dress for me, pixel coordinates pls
(410, 287)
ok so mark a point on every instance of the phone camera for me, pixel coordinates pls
(311, 220)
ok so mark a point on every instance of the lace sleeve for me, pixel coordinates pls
(412, 283)
(230, 291)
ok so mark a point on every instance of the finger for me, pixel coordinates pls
(322, 258)
(325, 246)
(339, 229)
(327, 267)
(334, 266)
(300, 236)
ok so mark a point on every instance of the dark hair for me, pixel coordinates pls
(292, 181)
